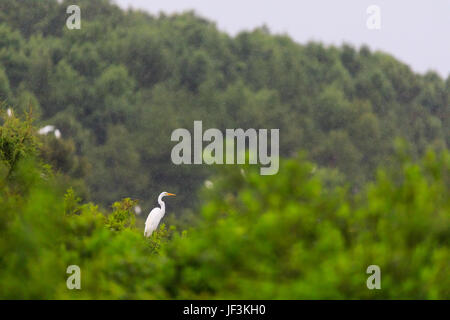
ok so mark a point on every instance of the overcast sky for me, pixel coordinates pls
(414, 31)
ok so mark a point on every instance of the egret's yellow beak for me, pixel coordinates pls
(171, 194)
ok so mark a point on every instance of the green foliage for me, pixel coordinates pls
(71, 202)
(5, 90)
(122, 216)
(16, 140)
(42, 232)
(289, 237)
(295, 235)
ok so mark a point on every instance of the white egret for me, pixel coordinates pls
(137, 210)
(209, 184)
(155, 216)
(57, 134)
(49, 128)
(46, 129)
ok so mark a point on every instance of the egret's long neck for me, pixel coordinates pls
(161, 203)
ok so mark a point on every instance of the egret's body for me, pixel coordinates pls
(153, 220)
(47, 129)
(155, 216)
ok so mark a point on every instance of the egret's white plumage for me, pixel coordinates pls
(57, 134)
(156, 215)
(49, 128)
(138, 210)
(46, 129)
(209, 184)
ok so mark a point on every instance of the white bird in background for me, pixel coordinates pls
(209, 184)
(57, 134)
(137, 210)
(9, 112)
(155, 216)
(47, 129)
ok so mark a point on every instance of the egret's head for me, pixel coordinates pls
(165, 194)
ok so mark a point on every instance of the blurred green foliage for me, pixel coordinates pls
(289, 237)
(300, 234)
(16, 140)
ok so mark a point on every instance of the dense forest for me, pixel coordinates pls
(364, 177)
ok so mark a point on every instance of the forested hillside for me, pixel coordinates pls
(118, 87)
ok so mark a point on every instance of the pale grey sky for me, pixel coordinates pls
(415, 31)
